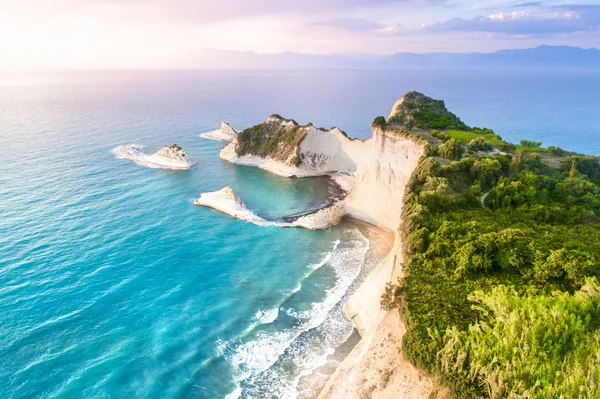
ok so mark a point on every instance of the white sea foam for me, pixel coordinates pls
(235, 394)
(327, 257)
(267, 316)
(135, 153)
(259, 363)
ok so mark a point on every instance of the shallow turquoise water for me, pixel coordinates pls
(112, 284)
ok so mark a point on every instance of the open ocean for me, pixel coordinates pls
(113, 285)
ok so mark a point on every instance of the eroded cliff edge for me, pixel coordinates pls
(375, 174)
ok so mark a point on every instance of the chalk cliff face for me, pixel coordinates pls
(374, 173)
(223, 133)
(381, 179)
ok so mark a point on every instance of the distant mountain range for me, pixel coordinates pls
(539, 57)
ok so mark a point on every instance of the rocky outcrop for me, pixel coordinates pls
(415, 109)
(224, 133)
(226, 201)
(319, 219)
(171, 157)
(283, 147)
(173, 153)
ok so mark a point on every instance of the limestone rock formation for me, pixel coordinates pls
(223, 133)
(173, 153)
(171, 157)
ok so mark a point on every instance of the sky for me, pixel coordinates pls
(157, 33)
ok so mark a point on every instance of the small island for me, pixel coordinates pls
(171, 157)
(491, 286)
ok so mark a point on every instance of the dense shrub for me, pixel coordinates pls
(535, 230)
(379, 122)
(531, 144)
(534, 346)
(451, 149)
(479, 144)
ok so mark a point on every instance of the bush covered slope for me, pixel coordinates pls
(277, 137)
(415, 109)
(502, 296)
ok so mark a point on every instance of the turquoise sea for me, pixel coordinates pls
(113, 285)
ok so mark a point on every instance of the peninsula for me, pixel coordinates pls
(490, 288)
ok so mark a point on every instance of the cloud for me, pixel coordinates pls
(359, 25)
(546, 20)
(351, 24)
(527, 5)
(203, 11)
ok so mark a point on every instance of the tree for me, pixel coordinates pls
(451, 149)
(479, 144)
(531, 144)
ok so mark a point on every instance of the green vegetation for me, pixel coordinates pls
(535, 346)
(296, 160)
(266, 138)
(420, 111)
(479, 144)
(502, 298)
(467, 136)
(451, 149)
(531, 144)
(379, 122)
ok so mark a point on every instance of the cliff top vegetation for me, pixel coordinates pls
(502, 298)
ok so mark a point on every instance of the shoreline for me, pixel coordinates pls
(388, 236)
(313, 384)
(336, 192)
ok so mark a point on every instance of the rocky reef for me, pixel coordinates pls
(171, 157)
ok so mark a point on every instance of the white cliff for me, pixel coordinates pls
(375, 174)
(223, 133)
(171, 157)
(320, 152)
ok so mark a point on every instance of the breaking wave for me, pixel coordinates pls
(270, 362)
